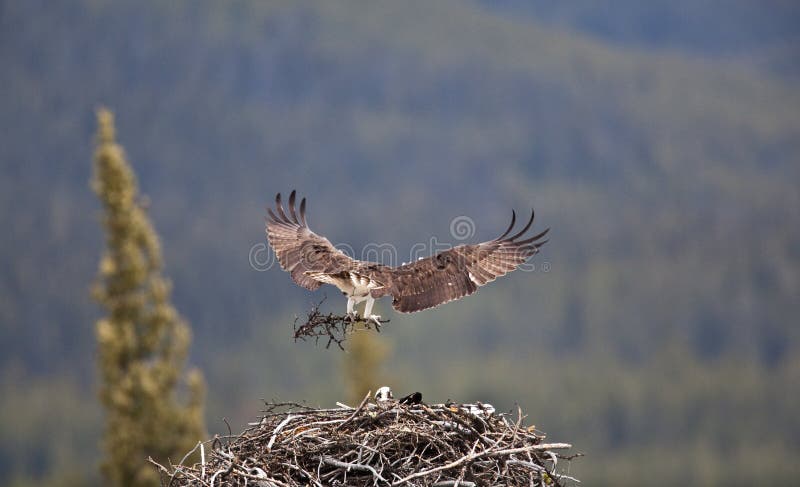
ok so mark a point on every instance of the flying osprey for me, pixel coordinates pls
(312, 261)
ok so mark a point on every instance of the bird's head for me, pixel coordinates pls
(384, 394)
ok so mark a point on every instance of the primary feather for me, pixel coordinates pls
(312, 260)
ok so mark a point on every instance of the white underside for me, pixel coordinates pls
(352, 301)
(357, 289)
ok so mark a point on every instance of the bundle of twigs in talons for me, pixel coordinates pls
(331, 327)
(379, 444)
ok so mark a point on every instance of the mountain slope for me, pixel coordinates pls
(668, 181)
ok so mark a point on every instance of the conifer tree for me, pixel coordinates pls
(362, 364)
(142, 341)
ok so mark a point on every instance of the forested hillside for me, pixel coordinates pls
(659, 326)
(761, 35)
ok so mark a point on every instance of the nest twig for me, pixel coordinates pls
(378, 444)
(331, 327)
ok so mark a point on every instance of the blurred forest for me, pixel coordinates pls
(659, 140)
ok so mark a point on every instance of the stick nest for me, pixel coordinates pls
(378, 444)
(330, 327)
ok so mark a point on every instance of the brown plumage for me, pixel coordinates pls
(312, 260)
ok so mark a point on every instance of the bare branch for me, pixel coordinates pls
(334, 328)
(378, 444)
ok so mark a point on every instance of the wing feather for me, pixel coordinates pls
(299, 250)
(510, 226)
(458, 272)
(303, 212)
(291, 208)
(423, 284)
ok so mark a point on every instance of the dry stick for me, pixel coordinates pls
(465, 458)
(158, 465)
(199, 443)
(523, 463)
(177, 469)
(358, 410)
(475, 456)
(461, 475)
(352, 466)
(203, 460)
(264, 478)
(335, 328)
(304, 472)
(539, 447)
(518, 423)
(554, 459)
(304, 410)
(193, 476)
(214, 477)
(277, 430)
(403, 442)
(531, 474)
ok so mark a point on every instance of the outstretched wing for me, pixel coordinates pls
(459, 272)
(299, 250)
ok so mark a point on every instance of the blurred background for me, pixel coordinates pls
(659, 140)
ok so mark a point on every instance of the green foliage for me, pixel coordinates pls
(366, 352)
(668, 178)
(737, 29)
(142, 342)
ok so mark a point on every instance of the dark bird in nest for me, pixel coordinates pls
(312, 260)
(384, 394)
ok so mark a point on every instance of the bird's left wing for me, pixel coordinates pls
(458, 272)
(299, 250)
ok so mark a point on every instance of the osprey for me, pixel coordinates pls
(312, 260)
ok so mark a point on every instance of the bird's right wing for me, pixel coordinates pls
(459, 272)
(300, 251)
